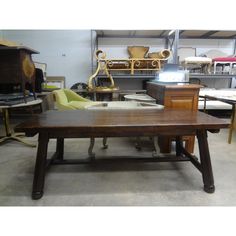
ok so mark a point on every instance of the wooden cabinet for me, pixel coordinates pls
(16, 68)
(177, 97)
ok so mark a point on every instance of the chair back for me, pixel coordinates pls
(66, 99)
(61, 100)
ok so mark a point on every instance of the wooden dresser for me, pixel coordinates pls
(177, 97)
(16, 67)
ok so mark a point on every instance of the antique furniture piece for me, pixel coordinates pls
(136, 62)
(121, 105)
(17, 68)
(6, 120)
(227, 96)
(100, 95)
(202, 63)
(137, 51)
(121, 123)
(224, 61)
(66, 99)
(92, 83)
(140, 98)
(177, 97)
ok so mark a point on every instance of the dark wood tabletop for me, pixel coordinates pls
(120, 122)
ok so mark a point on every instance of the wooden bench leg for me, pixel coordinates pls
(40, 166)
(207, 173)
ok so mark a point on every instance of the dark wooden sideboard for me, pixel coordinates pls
(16, 68)
(178, 97)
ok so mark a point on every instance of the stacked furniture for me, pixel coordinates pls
(202, 63)
(223, 62)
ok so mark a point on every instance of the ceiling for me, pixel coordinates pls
(205, 34)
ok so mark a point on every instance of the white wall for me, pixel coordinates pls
(66, 52)
(204, 45)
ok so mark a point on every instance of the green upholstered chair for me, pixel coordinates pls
(67, 99)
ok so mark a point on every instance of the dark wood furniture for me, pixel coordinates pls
(16, 68)
(177, 97)
(121, 123)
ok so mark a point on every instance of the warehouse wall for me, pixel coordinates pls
(117, 47)
(204, 45)
(66, 52)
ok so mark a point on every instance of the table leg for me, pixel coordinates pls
(138, 143)
(156, 147)
(104, 142)
(179, 145)
(90, 149)
(231, 124)
(6, 121)
(207, 173)
(60, 148)
(40, 166)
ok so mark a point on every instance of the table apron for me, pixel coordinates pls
(118, 133)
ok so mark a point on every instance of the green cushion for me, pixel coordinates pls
(80, 105)
(72, 96)
(67, 99)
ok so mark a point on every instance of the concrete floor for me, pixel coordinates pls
(117, 184)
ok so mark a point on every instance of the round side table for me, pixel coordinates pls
(5, 113)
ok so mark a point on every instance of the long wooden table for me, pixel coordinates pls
(121, 123)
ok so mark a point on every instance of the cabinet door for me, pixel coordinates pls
(182, 100)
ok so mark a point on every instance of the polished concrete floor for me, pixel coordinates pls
(117, 184)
